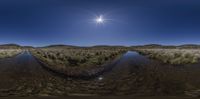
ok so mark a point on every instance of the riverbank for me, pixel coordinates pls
(132, 75)
(8, 53)
(79, 63)
(172, 56)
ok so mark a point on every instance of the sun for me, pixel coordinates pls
(99, 19)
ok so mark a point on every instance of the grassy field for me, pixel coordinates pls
(172, 56)
(6, 53)
(77, 61)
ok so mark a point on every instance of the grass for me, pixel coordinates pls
(173, 56)
(75, 61)
(6, 53)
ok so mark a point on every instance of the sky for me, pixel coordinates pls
(126, 22)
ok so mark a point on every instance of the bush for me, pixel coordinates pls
(173, 56)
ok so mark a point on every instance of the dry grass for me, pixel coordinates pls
(173, 56)
(76, 60)
(5, 53)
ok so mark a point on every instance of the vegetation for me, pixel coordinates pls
(5, 53)
(173, 56)
(129, 77)
(76, 61)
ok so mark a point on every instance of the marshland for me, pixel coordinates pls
(173, 56)
(100, 71)
(77, 61)
(100, 49)
(6, 53)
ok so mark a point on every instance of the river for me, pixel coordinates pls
(23, 75)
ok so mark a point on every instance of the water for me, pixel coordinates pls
(23, 75)
(131, 74)
(127, 64)
(135, 58)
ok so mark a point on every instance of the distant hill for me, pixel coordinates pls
(28, 47)
(189, 46)
(16, 46)
(60, 46)
(167, 46)
(10, 46)
(71, 46)
(154, 46)
(106, 46)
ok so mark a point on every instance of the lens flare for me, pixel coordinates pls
(100, 19)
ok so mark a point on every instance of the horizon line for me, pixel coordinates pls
(100, 45)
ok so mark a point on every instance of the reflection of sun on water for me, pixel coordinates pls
(100, 78)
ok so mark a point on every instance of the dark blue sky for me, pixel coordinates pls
(131, 22)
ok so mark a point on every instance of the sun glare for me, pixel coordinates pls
(100, 19)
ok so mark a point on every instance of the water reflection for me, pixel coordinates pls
(100, 78)
(134, 57)
(128, 63)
